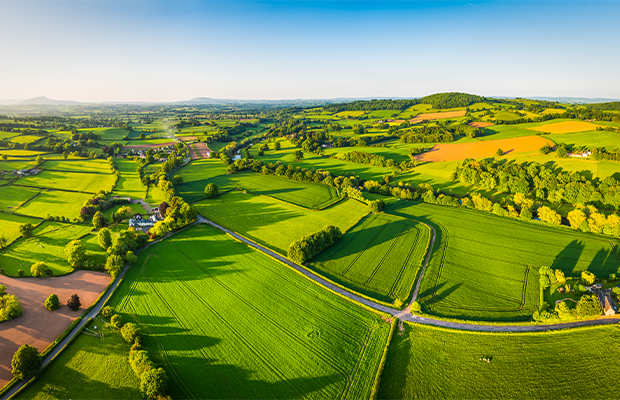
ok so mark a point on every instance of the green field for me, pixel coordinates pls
(590, 139)
(15, 164)
(11, 197)
(273, 223)
(304, 194)
(229, 322)
(433, 363)
(379, 257)
(78, 165)
(90, 368)
(484, 267)
(202, 169)
(10, 223)
(48, 245)
(129, 183)
(56, 203)
(75, 181)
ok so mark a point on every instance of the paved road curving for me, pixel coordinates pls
(405, 314)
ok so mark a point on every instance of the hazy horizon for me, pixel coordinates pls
(157, 51)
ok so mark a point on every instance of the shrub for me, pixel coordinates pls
(9, 305)
(39, 270)
(52, 303)
(98, 220)
(74, 302)
(140, 362)
(376, 206)
(76, 253)
(307, 247)
(211, 190)
(26, 362)
(588, 306)
(416, 307)
(587, 278)
(114, 264)
(116, 321)
(130, 332)
(107, 311)
(105, 238)
(131, 258)
(153, 383)
(20, 272)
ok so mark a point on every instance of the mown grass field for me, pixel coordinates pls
(15, 163)
(304, 194)
(10, 223)
(566, 127)
(129, 183)
(433, 363)
(90, 368)
(56, 203)
(228, 322)
(81, 182)
(78, 165)
(590, 139)
(484, 267)
(379, 257)
(201, 169)
(12, 197)
(273, 223)
(48, 245)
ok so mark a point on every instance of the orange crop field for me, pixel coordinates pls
(487, 148)
(480, 124)
(566, 127)
(437, 115)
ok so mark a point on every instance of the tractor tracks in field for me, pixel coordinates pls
(405, 314)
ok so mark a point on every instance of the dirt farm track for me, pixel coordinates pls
(483, 148)
(37, 326)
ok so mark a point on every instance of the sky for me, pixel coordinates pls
(177, 50)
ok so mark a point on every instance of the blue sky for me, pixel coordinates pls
(176, 50)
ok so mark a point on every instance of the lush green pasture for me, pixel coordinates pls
(129, 183)
(14, 164)
(25, 139)
(484, 267)
(590, 139)
(5, 135)
(21, 153)
(273, 223)
(154, 196)
(111, 134)
(379, 257)
(433, 363)
(10, 223)
(496, 132)
(75, 181)
(304, 194)
(228, 322)
(78, 165)
(48, 245)
(137, 209)
(55, 203)
(204, 168)
(11, 197)
(90, 368)
(396, 153)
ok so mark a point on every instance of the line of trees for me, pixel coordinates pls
(309, 246)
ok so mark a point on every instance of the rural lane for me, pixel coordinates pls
(405, 315)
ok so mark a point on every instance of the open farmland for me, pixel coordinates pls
(273, 223)
(565, 127)
(488, 148)
(78, 165)
(197, 296)
(75, 181)
(590, 139)
(437, 115)
(90, 368)
(56, 203)
(379, 257)
(129, 183)
(202, 169)
(48, 245)
(11, 197)
(484, 267)
(433, 363)
(480, 124)
(10, 223)
(147, 144)
(37, 326)
(304, 194)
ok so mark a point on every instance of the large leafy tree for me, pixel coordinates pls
(26, 362)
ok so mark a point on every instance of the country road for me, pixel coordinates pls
(405, 314)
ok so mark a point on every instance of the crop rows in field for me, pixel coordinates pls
(485, 267)
(304, 194)
(379, 257)
(229, 322)
(273, 223)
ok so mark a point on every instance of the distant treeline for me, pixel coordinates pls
(438, 101)
(610, 106)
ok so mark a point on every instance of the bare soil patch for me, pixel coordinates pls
(480, 124)
(148, 146)
(437, 115)
(487, 148)
(37, 326)
(566, 127)
(187, 138)
(203, 150)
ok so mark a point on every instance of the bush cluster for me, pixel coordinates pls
(309, 246)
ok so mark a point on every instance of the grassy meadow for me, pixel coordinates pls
(433, 363)
(74, 181)
(379, 257)
(274, 223)
(484, 267)
(10, 223)
(11, 197)
(202, 169)
(196, 295)
(56, 203)
(129, 183)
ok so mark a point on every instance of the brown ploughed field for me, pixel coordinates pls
(187, 138)
(37, 326)
(203, 150)
(437, 115)
(486, 148)
(480, 124)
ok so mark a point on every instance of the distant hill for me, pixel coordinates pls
(44, 101)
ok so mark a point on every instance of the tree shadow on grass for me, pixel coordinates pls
(568, 258)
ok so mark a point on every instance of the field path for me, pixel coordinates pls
(405, 314)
